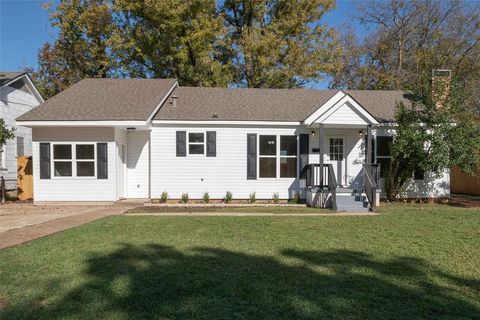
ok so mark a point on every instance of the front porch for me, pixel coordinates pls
(338, 170)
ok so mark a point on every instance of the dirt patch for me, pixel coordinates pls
(464, 201)
(3, 302)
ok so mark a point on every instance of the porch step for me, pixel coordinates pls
(352, 200)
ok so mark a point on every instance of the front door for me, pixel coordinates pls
(336, 156)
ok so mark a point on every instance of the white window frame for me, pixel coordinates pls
(339, 137)
(277, 156)
(287, 156)
(74, 160)
(204, 143)
(376, 146)
(3, 159)
(17, 138)
(267, 156)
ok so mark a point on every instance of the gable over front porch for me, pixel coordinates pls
(341, 154)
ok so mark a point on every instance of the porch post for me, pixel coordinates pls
(320, 143)
(369, 144)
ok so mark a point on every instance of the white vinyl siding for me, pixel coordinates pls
(138, 164)
(216, 175)
(74, 188)
(14, 103)
(121, 172)
(345, 115)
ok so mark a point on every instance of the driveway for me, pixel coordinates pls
(20, 222)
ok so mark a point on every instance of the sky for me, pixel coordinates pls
(24, 28)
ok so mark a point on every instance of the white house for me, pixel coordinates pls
(18, 95)
(108, 139)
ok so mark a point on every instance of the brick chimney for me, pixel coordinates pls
(441, 81)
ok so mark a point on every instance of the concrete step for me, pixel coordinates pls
(354, 202)
(353, 209)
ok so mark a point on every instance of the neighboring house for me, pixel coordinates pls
(107, 139)
(18, 95)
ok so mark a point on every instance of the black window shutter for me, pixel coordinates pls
(304, 151)
(251, 156)
(102, 161)
(181, 143)
(211, 144)
(44, 160)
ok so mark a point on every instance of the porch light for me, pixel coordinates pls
(131, 129)
(313, 133)
(360, 133)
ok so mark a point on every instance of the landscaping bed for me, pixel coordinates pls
(243, 208)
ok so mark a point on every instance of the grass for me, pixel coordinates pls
(232, 208)
(411, 262)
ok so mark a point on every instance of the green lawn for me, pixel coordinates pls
(411, 262)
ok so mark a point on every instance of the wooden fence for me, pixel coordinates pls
(25, 178)
(463, 183)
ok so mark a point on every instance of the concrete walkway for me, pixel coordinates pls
(33, 231)
(250, 214)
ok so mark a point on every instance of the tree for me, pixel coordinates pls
(275, 43)
(5, 133)
(432, 135)
(279, 44)
(172, 39)
(82, 48)
(407, 39)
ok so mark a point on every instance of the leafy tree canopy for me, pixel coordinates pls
(5, 133)
(275, 43)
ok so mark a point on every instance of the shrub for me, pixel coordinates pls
(228, 197)
(252, 197)
(164, 197)
(296, 198)
(276, 197)
(206, 197)
(184, 198)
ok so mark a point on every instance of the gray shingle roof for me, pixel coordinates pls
(380, 103)
(7, 76)
(194, 103)
(103, 99)
(136, 99)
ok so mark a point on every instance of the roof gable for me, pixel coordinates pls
(20, 81)
(343, 111)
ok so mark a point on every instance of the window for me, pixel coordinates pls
(85, 154)
(80, 163)
(196, 143)
(383, 154)
(3, 156)
(270, 154)
(62, 160)
(419, 174)
(336, 149)
(268, 157)
(288, 156)
(20, 146)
